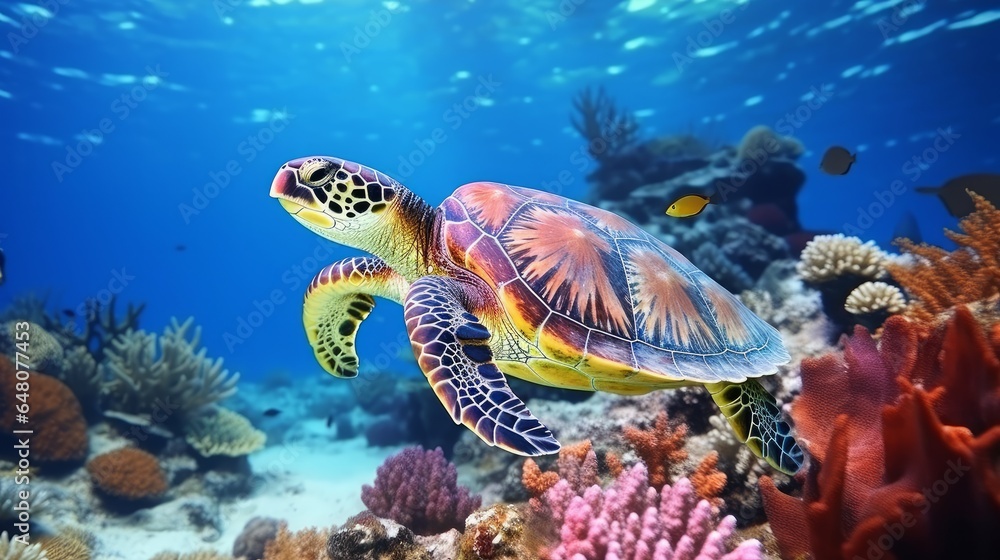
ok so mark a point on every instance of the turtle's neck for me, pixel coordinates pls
(408, 242)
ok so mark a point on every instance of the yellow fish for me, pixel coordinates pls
(687, 206)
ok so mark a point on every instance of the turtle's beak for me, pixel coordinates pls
(298, 200)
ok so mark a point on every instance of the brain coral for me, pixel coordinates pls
(128, 473)
(54, 414)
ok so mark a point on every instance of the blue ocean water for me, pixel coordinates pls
(133, 130)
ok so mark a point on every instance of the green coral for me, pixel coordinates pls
(180, 380)
(220, 431)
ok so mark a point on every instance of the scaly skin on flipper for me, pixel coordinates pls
(755, 417)
(338, 299)
(452, 349)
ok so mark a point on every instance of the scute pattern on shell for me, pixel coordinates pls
(610, 278)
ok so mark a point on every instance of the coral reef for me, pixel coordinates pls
(307, 544)
(903, 436)
(938, 279)
(15, 550)
(608, 130)
(46, 352)
(495, 533)
(175, 384)
(761, 143)
(836, 265)
(708, 481)
(660, 448)
(631, 520)
(198, 555)
(420, 490)
(873, 302)
(366, 537)
(219, 431)
(69, 544)
(252, 541)
(54, 415)
(128, 473)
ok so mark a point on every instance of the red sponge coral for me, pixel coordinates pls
(53, 414)
(128, 473)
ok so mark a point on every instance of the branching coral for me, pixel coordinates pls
(904, 436)
(632, 521)
(419, 489)
(54, 414)
(938, 279)
(179, 381)
(577, 464)
(607, 130)
(220, 431)
(708, 481)
(660, 447)
(128, 473)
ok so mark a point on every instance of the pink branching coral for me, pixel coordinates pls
(631, 521)
(419, 490)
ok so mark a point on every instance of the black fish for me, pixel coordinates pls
(329, 421)
(180, 247)
(837, 161)
(3, 274)
(69, 312)
(957, 201)
(272, 412)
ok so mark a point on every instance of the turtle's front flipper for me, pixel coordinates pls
(337, 300)
(451, 346)
(755, 417)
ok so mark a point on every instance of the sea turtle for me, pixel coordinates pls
(508, 280)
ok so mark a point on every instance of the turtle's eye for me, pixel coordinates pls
(316, 173)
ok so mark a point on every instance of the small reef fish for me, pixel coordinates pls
(69, 312)
(272, 412)
(837, 161)
(957, 201)
(688, 206)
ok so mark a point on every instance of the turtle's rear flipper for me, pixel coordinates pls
(451, 346)
(755, 417)
(338, 299)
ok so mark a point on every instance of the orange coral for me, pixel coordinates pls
(128, 473)
(534, 480)
(940, 279)
(708, 480)
(54, 415)
(307, 544)
(659, 447)
(614, 464)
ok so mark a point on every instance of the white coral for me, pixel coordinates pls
(874, 297)
(15, 550)
(828, 257)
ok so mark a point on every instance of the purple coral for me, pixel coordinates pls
(419, 490)
(632, 521)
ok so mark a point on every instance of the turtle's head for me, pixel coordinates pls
(354, 205)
